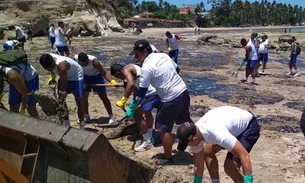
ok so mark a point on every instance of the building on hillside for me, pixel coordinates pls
(204, 14)
(185, 9)
(145, 14)
(145, 20)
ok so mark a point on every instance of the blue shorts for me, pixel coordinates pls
(174, 54)
(22, 40)
(7, 47)
(247, 138)
(152, 103)
(176, 110)
(16, 98)
(52, 39)
(74, 87)
(62, 48)
(293, 59)
(263, 57)
(29, 33)
(251, 63)
(90, 80)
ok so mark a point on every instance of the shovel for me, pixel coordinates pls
(241, 64)
(117, 123)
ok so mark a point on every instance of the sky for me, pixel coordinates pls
(179, 3)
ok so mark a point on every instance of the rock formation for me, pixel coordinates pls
(215, 40)
(88, 17)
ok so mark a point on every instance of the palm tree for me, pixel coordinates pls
(201, 5)
(160, 3)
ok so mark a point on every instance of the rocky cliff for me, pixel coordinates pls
(94, 17)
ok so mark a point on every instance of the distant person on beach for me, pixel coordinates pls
(131, 74)
(80, 29)
(302, 122)
(30, 35)
(250, 57)
(94, 73)
(231, 128)
(263, 51)
(19, 35)
(69, 35)
(138, 31)
(51, 34)
(172, 43)
(159, 71)
(134, 26)
(293, 57)
(60, 41)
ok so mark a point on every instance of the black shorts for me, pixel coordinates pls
(247, 138)
(176, 110)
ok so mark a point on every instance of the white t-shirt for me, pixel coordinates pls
(221, 126)
(253, 53)
(51, 31)
(20, 32)
(89, 70)
(173, 42)
(11, 43)
(159, 71)
(59, 39)
(151, 90)
(75, 72)
(26, 71)
(263, 47)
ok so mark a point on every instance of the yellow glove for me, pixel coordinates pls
(1, 96)
(113, 82)
(180, 40)
(121, 103)
(52, 79)
(22, 111)
(169, 48)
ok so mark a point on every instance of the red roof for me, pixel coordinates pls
(149, 19)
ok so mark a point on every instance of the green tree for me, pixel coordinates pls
(222, 13)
